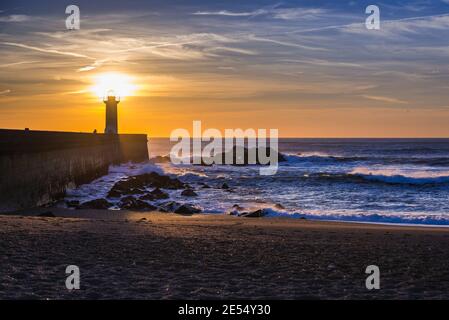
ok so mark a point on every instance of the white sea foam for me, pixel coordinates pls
(403, 175)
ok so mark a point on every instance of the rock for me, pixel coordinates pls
(131, 203)
(117, 193)
(173, 206)
(225, 186)
(279, 206)
(159, 181)
(169, 206)
(254, 214)
(236, 210)
(147, 197)
(136, 184)
(189, 193)
(47, 214)
(243, 157)
(156, 194)
(187, 209)
(159, 194)
(101, 204)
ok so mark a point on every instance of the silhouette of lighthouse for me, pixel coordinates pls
(111, 102)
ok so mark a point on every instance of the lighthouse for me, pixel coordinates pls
(111, 101)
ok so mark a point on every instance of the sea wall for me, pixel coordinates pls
(36, 167)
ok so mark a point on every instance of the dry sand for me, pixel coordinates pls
(168, 256)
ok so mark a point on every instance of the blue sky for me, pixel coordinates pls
(219, 58)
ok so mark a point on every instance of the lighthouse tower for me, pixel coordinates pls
(111, 102)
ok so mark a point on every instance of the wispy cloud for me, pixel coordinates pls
(229, 13)
(412, 26)
(46, 50)
(12, 64)
(385, 99)
(234, 50)
(273, 12)
(15, 18)
(321, 62)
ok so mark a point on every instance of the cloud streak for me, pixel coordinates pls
(272, 12)
(385, 99)
(45, 50)
(15, 18)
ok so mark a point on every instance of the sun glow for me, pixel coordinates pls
(118, 84)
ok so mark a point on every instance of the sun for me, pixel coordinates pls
(119, 84)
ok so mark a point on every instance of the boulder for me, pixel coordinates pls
(237, 207)
(187, 209)
(169, 206)
(159, 194)
(156, 194)
(189, 193)
(254, 214)
(137, 184)
(131, 203)
(101, 204)
(243, 158)
(279, 206)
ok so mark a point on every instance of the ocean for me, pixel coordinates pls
(363, 180)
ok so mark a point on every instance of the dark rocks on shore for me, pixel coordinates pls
(237, 207)
(117, 193)
(131, 203)
(279, 206)
(156, 194)
(101, 204)
(169, 206)
(189, 193)
(137, 184)
(176, 207)
(254, 214)
(243, 157)
(187, 209)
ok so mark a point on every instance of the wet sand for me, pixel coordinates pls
(168, 256)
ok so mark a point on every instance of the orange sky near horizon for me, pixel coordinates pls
(158, 116)
(306, 71)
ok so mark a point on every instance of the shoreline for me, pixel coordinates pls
(135, 255)
(91, 213)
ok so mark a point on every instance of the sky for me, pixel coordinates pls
(306, 68)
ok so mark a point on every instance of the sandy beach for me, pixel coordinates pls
(128, 255)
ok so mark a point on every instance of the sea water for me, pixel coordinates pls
(365, 180)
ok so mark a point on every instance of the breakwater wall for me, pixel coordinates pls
(37, 167)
